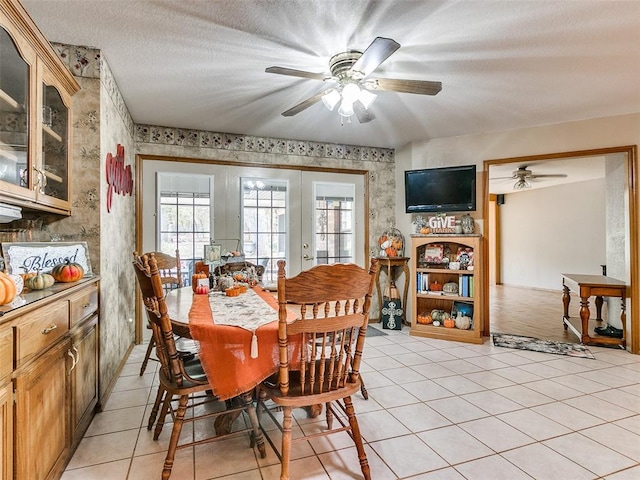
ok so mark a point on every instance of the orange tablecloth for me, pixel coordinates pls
(225, 351)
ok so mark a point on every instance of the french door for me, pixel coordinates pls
(303, 217)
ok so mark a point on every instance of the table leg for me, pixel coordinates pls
(566, 299)
(599, 308)
(623, 319)
(379, 293)
(584, 317)
(405, 270)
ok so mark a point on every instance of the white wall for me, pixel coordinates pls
(549, 231)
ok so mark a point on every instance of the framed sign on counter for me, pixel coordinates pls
(43, 256)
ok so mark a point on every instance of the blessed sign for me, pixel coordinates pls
(42, 257)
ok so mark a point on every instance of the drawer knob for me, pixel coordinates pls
(49, 329)
(86, 305)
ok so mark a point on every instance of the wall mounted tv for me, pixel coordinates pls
(447, 189)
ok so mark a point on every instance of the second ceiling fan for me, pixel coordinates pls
(351, 86)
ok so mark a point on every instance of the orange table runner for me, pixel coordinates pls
(225, 351)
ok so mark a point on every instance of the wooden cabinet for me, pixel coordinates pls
(438, 291)
(48, 378)
(35, 116)
(41, 421)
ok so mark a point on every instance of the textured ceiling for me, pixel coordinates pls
(200, 64)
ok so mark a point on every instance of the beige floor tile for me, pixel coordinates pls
(105, 471)
(492, 402)
(568, 416)
(510, 358)
(599, 408)
(448, 473)
(427, 390)
(129, 398)
(457, 409)
(620, 398)
(629, 474)
(458, 385)
(494, 467)
(419, 418)
(375, 379)
(454, 444)
(116, 420)
(438, 356)
(631, 423)
(224, 457)
(624, 441)
(149, 467)
(523, 395)
(411, 358)
(432, 371)
(307, 468)
(489, 380)
(496, 434)
(553, 389)
(461, 366)
(581, 384)
(590, 454)
(380, 425)
(517, 375)
(344, 465)
(533, 424)
(543, 463)
(393, 350)
(104, 448)
(542, 370)
(134, 382)
(383, 363)
(393, 396)
(403, 375)
(408, 455)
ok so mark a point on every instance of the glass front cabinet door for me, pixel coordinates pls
(35, 118)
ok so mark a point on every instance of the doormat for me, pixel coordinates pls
(544, 346)
(374, 332)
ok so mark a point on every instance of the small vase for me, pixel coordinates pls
(467, 223)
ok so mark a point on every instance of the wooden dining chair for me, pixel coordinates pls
(332, 306)
(171, 277)
(183, 379)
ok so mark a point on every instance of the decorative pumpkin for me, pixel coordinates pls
(39, 281)
(449, 323)
(7, 289)
(463, 322)
(27, 275)
(195, 281)
(67, 272)
(435, 286)
(437, 315)
(201, 289)
(425, 319)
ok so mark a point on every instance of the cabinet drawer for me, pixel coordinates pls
(6, 351)
(41, 329)
(83, 305)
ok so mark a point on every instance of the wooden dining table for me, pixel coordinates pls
(237, 337)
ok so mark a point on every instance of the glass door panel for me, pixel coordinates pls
(14, 106)
(53, 176)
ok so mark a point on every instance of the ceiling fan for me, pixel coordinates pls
(523, 176)
(350, 84)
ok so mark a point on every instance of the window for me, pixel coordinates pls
(264, 220)
(184, 222)
(334, 223)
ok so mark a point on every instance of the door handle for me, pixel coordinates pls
(307, 257)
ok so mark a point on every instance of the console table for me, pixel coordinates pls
(587, 286)
(395, 266)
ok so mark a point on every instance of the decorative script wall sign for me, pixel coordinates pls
(119, 178)
(42, 257)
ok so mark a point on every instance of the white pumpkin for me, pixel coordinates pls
(17, 279)
(463, 322)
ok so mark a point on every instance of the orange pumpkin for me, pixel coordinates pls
(449, 323)
(425, 319)
(194, 280)
(67, 272)
(7, 289)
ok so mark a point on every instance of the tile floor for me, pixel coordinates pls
(437, 410)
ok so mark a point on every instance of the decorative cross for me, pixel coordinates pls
(392, 311)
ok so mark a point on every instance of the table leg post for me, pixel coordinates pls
(599, 308)
(623, 319)
(405, 270)
(566, 299)
(379, 293)
(584, 318)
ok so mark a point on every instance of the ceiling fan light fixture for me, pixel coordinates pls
(521, 184)
(331, 99)
(367, 98)
(346, 108)
(350, 93)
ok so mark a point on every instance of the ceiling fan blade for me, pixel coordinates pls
(420, 87)
(362, 114)
(303, 105)
(503, 178)
(549, 175)
(377, 52)
(295, 73)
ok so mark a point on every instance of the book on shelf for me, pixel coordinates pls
(422, 282)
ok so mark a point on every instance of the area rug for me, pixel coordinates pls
(374, 332)
(544, 346)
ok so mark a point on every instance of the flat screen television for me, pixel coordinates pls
(447, 189)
